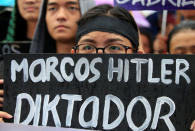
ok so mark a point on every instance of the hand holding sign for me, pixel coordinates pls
(4, 115)
(193, 126)
(1, 93)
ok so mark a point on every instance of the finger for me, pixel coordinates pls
(1, 81)
(193, 126)
(1, 120)
(1, 99)
(1, 92)
(5, 115)
(1, 105)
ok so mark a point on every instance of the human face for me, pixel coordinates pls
(29, 9)
(183, 42)
(110, 42)
(61, 18)
(145, 43)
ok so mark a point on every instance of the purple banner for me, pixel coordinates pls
(99, 2)
(155, 4)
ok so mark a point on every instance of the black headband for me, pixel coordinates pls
(109, 24)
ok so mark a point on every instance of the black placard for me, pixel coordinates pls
(109, 92)
(14, 47)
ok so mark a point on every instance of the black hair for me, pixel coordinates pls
(185, 25)
(20, 33)
(108, 10)
(17, 26)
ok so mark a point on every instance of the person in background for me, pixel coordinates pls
(57, 27)
(181, 39)
(107, 29)
(21, 26)
(159, 44)
(146, 40)
(23, 20)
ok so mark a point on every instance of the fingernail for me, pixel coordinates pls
(10, 116)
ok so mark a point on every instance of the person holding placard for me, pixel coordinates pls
(102, 36)
(107, 29)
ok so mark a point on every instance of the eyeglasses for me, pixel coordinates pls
(109, 49)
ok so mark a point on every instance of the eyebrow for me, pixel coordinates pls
(180, 48)
(68, 3)
(72, 3)
(88, 40)
(51, 3)
(113, 40)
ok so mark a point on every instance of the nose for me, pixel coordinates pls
(30, 1)
(100, 51)
(62, 15)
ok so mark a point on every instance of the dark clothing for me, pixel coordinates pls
(4, 21)
(17, 26)
(42, 42)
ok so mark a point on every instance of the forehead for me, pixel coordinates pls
(183, 39)
(62, 1)
(102, 36)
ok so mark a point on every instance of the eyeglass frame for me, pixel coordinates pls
(75, 48)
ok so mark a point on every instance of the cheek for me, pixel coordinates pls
(49, 24)
(75, 19)
(20, 8)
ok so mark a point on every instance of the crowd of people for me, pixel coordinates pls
(58, 27)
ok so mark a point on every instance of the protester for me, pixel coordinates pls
(94, 34)
(56, 27)
(181, 39)
(107, 29)
(21, 26)
(23, 20)
(159, 45)
(146, 40)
